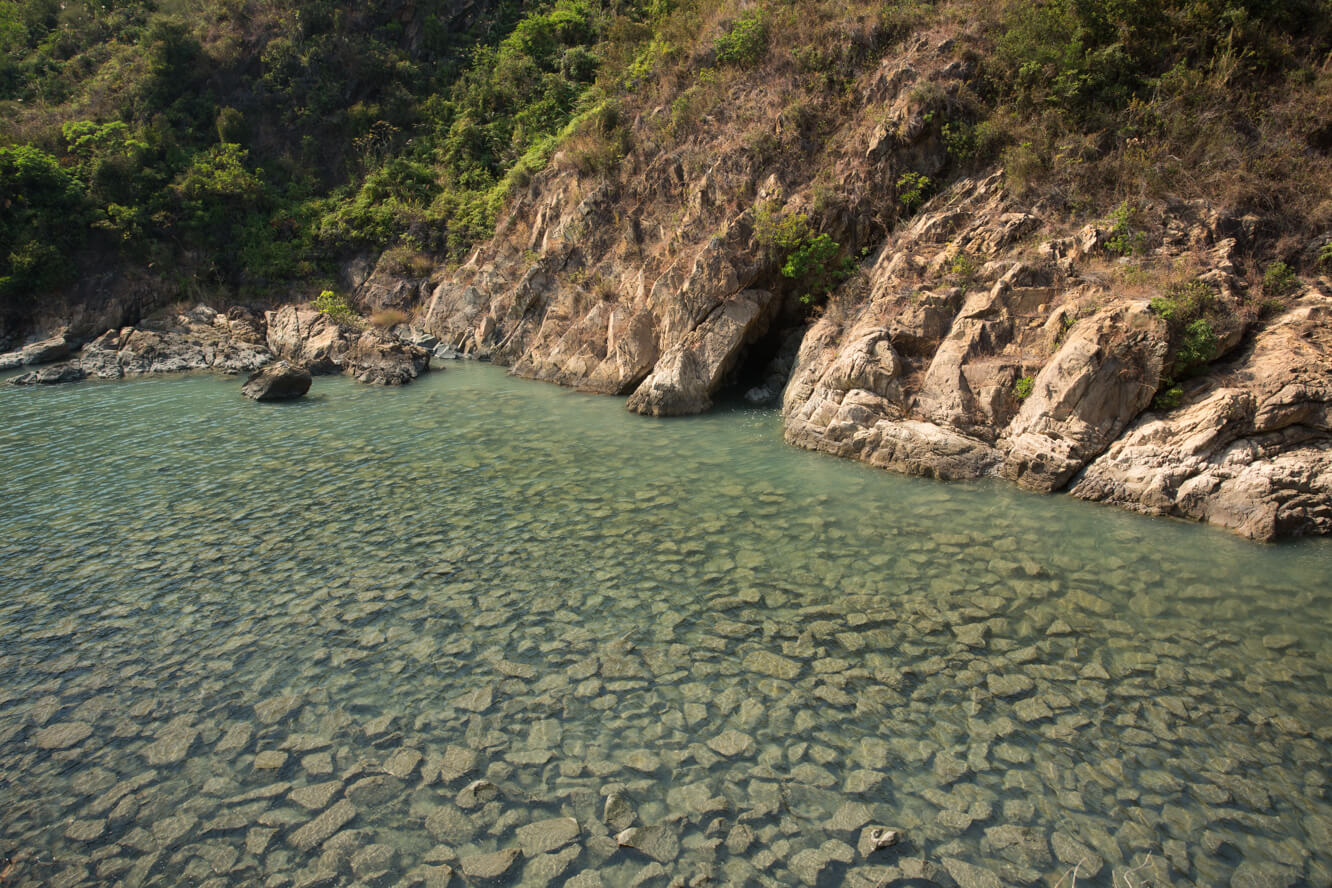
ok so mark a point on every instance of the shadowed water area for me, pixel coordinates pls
(251, 644)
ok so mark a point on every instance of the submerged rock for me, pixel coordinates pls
(279, 381)
(658, 841)
(876, 838)
(490, 867)
(62, 736)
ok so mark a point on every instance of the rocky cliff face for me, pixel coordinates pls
(983, 335)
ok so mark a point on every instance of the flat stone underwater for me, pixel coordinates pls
(482, 626)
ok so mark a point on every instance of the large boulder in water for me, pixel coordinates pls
(307, 336)
(279, 381)
(690, 372)
(377, 358)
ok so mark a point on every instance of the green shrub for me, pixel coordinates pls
(335, 307)
(1197, 347)
(913, 189)
(1168, 398)
(43, 219)
(1023, 388)
(1185, 307)
(1279, 280)
(959, 141)
(230, 125)
(961, 268)
(1183, 302)
(1325, 256)
(744, 44)
(814, 262)
(1123, 239)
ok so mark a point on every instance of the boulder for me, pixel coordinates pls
(377, 358)
(279, 381)
(44, 351)
(56, 373)
(307, 337)
(690, 372)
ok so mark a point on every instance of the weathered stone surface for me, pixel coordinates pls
(375, 790)
(969, 875)
(316, 797)
(279, 381)
(490, 867)
(372, 861)
(732, 744)
(402, 764)
(43, 351)
(1105, 373)
(811, 864)
(658, 841)
(546, 835)
(618, 814)
(275, 709)
(53, 375)
(322, 827)
(775, 665)
(689, 373)
(1253, 454)
(62, 735)
(377, 358)
(306, 337)
(877, 838)
(476, 793)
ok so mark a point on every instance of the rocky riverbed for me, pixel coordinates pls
(478, 631)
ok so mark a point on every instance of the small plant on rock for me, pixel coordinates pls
(744, 44)
(1184, 307)
(1023, 388)
(1124, 239)
(336, 308)
(913, 189)
(1279, 281)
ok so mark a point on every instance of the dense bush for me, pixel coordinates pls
(44, 212)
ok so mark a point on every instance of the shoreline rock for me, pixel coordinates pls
(279, 381)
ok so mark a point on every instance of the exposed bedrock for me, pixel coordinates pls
(1250, 450)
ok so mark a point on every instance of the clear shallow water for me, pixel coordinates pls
(275, 644)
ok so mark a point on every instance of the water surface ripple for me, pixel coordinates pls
(402, 637)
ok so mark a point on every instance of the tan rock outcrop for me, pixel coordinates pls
(307, 337)
(1252, 448)
(1102, 377)
(689, 374)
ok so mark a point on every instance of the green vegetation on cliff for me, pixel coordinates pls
(247, 145)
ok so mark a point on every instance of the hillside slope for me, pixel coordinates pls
(1115, 321)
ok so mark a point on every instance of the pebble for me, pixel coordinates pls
(318, 830)
(491, 866)
(62, 736)
(546, 835)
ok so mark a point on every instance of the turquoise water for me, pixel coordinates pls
(277, 644)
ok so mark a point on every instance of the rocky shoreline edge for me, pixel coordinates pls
(232, 342)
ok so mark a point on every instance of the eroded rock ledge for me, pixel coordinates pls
(925, 379)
